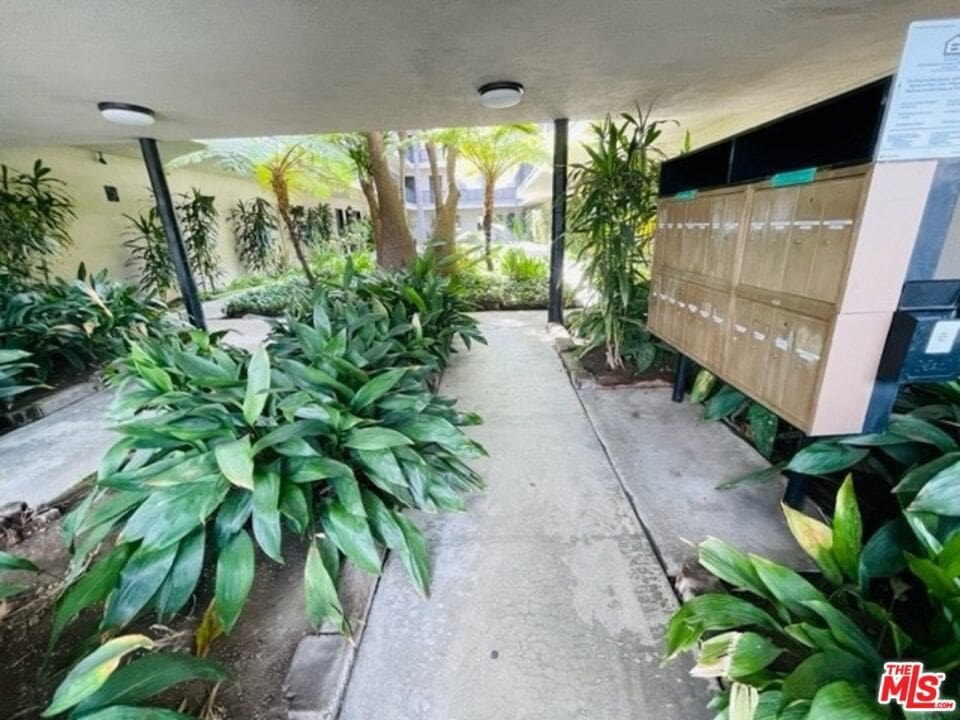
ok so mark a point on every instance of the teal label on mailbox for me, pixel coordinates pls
(794, 177)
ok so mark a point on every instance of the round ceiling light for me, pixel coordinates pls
(126, 114)
(499, 95)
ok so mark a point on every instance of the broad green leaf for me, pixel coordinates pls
(713, 612)
(941, 495)
(788, 589)
(735, 655)
(235, 460)
(309, 469)
(169, 515)
(376, 388)
(258, 385)
(846, 632)
(824, 457)
(914, 479)
(352, 535)
(232, 515)
(92, 587)
(433, 429)
(235, 566)
(922, 431)
(348, 493)
(731, 566)
(763, 428)
(725, 403)
(14, 562)
(847, 530)
(702, 385)
(9, 590)
(141, 578)
(403, 537)
(183, 576)
(203, 372)
(842, 700)
(110, 509)
(816, 539)
(320, 591)
(823, 668)
(757, 477)
(130, 712)
(148, 676)
(375, 438)
(883, 554)
(415, 558)
(294, 506)
(92, 672)
(266, 512)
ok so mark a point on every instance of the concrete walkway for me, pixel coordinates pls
(671, 461)
(45, 459)
(548, 603)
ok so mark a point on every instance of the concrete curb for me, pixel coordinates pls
(46, 406)
(317, 678)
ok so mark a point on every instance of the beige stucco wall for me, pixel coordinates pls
(100, 228)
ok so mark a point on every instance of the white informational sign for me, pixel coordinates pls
(943, 337)
(922, 121)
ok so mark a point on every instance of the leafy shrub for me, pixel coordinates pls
(492, 291)
(519, 266)
(327, 437)
(255, 234)
(198, 222)
(357, 236)
(614, 209)
(274, 299)
(788, 648)
(149, 252)
(315, 223)
(14, 369)
(75, 324)
(35, 213)
(635, 343)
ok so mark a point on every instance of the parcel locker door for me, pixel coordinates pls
(840, 200)
(759, 340)
(779, 349)
(755, 239)
(803, 375)
(803, 237)
(783, 203)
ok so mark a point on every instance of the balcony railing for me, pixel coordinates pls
(468, 196)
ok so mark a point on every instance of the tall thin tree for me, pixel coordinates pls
(493, 152)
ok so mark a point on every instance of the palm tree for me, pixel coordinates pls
(283, 165)
(493, 152)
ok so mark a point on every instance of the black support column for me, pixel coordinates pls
(558, 230)
(168, 217)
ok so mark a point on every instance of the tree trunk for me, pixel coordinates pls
(282, 193)
(488, 187)
(395, 247)
(402, 164)
(445, 231)
(370, 192)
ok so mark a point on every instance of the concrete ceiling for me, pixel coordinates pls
(228, 68)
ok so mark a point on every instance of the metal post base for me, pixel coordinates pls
(680, 377)
(796, 491)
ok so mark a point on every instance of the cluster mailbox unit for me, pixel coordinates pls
(813, 278)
